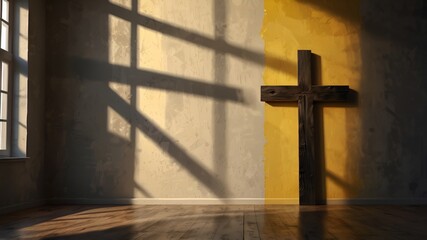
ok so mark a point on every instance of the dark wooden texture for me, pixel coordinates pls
(306, 94)
(307, 162)
(291, 93)
(216, 222)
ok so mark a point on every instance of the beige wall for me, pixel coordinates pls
(155, 99)
(21, 180)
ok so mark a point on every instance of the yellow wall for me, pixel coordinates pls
(331, 29)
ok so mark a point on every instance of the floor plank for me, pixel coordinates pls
(250, 226)
(230, 224)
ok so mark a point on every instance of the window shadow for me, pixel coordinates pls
(167, 144)
(219, 114)
(218, 44)
(104, 72)
(80, 99)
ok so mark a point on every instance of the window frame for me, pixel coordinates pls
(7, 57)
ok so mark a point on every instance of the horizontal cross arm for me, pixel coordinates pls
(329, 89)
(292, 93)
(330, 93)
(280, 93)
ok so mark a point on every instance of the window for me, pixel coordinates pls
(5, 78)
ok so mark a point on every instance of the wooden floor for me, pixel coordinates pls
(217, 222)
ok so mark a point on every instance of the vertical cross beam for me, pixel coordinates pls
(307, 165)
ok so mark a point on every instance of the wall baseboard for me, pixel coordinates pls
(281, 201)
(21, 206)
(233, 201)
(160, 201)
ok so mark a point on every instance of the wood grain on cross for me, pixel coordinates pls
(306, 94)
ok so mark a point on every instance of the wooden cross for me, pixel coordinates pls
(310, 188)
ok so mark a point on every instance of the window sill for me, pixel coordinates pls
(12, 159)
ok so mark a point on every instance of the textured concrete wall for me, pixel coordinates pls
(394, 99)
(21, 181)
(154, 99)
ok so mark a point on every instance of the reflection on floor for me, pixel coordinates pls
(216, 222)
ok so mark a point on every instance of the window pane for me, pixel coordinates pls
(4, 76)
(3, 135)
(5, 10)
(5, 36)
(3, 106)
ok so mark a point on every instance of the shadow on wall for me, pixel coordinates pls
(102, 158)
(337, 8)
(394, 89)
(81, 100)
(218, 43)
(319, 131)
